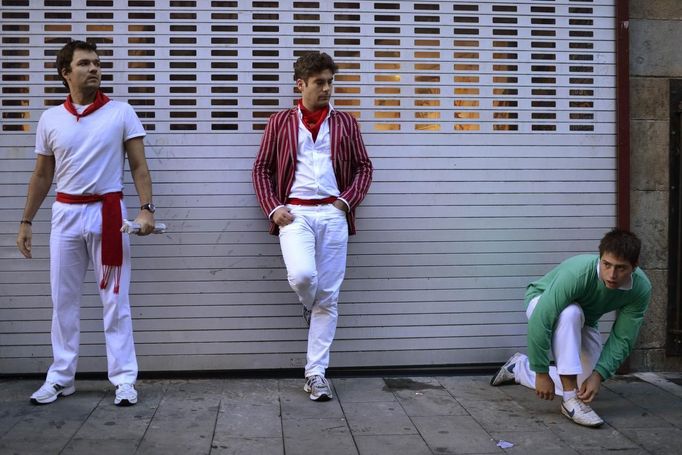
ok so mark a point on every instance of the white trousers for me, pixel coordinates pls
(75, 240)
(314, 250)
(576, 349)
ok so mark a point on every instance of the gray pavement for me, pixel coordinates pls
(369, 415)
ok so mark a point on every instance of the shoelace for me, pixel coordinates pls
(584, 407)
(316, 380)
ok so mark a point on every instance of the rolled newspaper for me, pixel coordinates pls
(131, 227)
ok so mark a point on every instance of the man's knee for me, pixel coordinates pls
(302, 279)
(572, 313)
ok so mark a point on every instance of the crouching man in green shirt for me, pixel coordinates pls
(563, 309)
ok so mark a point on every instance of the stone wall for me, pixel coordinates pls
(655, 58)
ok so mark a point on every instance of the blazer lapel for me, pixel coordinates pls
(333, 137)
(292, 135)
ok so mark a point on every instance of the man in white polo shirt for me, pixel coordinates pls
(82, 145)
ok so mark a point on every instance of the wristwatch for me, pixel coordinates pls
(149, 206)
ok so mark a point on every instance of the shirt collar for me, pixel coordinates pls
(625, 287)
(300, 114)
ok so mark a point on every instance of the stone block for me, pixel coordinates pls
(652, 335)
(655, 9)
(391, 445)
(502, 416)
(647, 359)
(378, 418)
(455, 434)
(240, 446)
(328, 436)
(429, 403)
(661, 441)
(654, 49)
(247, 420)
(649, 220)
(362, 390)
(531, 441)
(649, 155)
(472, 388)
(649, 98)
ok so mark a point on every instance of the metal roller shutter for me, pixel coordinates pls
(491, 125)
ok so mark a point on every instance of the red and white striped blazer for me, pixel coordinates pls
(275, 165)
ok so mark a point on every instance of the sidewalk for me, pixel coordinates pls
(369, 415)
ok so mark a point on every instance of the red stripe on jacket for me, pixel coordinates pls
(275, 166)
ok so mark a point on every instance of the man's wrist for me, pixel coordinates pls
(25, 221)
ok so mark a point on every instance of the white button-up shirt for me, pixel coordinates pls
(314, 178)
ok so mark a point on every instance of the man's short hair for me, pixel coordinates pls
(65, 56)
(312, 63)
(622, 244)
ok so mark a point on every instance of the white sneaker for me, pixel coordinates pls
(49, 392)
(318, 387)
(505, 375)
(126, 395)
(576, 410)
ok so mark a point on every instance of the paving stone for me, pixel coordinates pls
(48, 428)
(502, 415)
(185, 419)
(110, 429)
(18, 390)
(659, 441)
(378, 418)
(296, 404)
(391, 445)
(434, 402)
(362, 390)
(455, 434)
(624, 414)
(540, 442)
(620, 452)
(472, 388)
(103, 446)
(248, 446)
(591, 439)
(323, 436)
(655, 400)
(247, 420)
(254, 391)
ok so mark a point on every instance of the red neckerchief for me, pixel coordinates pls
(112, 239)
(100, 100)
(313, 120)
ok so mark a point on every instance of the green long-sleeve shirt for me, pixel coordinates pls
(576, 280)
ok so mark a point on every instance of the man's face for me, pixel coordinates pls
(614, 271)
(86, 72)
(317, 90)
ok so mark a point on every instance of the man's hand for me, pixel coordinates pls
(590, 387)
(146, 221)
(282, 216)
(544, 386)
(339, 204)
(24, 239)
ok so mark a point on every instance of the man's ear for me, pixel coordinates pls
(300, 83)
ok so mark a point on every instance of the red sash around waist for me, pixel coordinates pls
(297, 201)
(112, 238)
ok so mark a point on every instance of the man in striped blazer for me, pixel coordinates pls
(311, 172)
